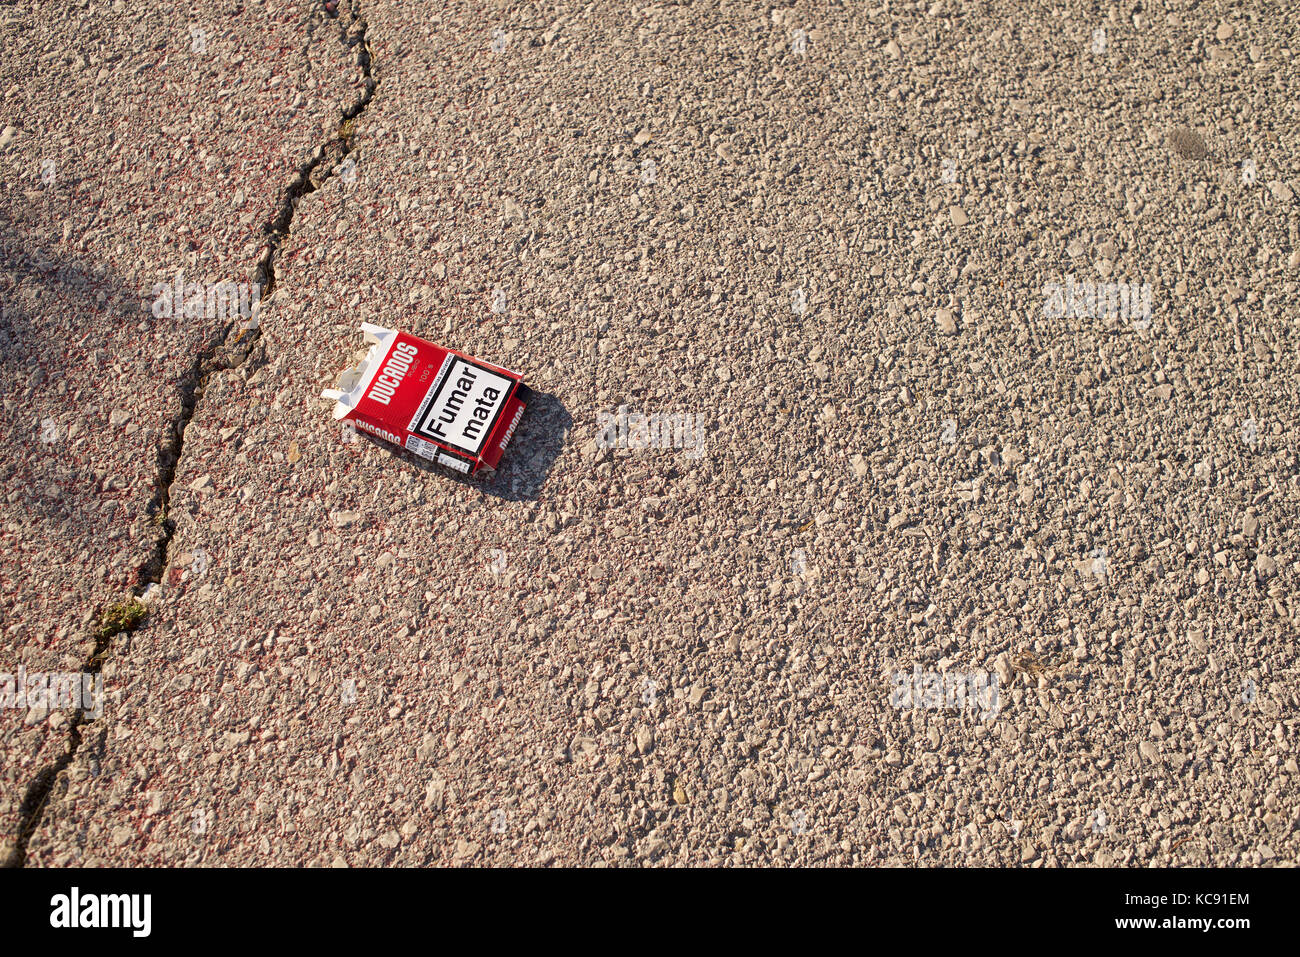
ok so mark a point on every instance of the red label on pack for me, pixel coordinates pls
(436, 402)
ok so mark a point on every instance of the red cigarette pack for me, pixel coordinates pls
(441, 404)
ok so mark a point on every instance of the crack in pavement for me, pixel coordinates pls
(229, 350)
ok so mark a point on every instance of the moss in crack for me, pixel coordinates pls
(119, 617)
